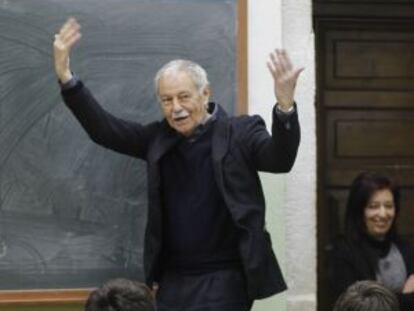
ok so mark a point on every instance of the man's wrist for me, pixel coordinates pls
(66, 77)
(284, 110)
(70, 83)
(284, 116)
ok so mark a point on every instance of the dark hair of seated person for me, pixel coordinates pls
(367, 296)
(121, 295)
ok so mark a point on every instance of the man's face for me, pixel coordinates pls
(182, 104)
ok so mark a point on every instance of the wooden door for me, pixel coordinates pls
(365, 107)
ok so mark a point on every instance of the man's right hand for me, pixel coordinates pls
(68, 35)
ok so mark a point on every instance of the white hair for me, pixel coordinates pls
(197, 73)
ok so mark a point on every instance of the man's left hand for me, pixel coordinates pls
(285, 76)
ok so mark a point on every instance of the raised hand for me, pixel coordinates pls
(68, 35)
(285, 76)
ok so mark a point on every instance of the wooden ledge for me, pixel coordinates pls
(44, 297)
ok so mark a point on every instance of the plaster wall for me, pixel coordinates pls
(291, 198)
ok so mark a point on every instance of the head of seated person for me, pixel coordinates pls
(367, 296)
(121, 295)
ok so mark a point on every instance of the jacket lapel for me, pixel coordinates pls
(163, 142)
(221, 136)
(220, 140)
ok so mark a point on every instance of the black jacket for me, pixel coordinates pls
(349, 264)
(241, 147)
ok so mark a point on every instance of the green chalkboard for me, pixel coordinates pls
(72, 214)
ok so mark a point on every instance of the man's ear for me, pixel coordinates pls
(206, 93)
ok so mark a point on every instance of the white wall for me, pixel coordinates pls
(264, 24)
(301, 183)
(291, 198)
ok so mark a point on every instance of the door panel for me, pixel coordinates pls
(365, 104)
(359, 140)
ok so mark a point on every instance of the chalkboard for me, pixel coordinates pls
(72, 214)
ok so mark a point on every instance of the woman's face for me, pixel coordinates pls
(379, 214)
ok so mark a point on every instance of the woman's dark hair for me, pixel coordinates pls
(362, 188)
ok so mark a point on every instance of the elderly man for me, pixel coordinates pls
(206, 246)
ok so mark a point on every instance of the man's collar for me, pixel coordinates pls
(213, 112)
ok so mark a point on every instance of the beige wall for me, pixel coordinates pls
(291, 198)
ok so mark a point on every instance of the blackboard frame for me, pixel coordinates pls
(79, 295)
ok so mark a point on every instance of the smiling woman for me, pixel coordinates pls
(371, 248)
(379, 214)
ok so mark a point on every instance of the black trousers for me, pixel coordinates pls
(223, 290)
